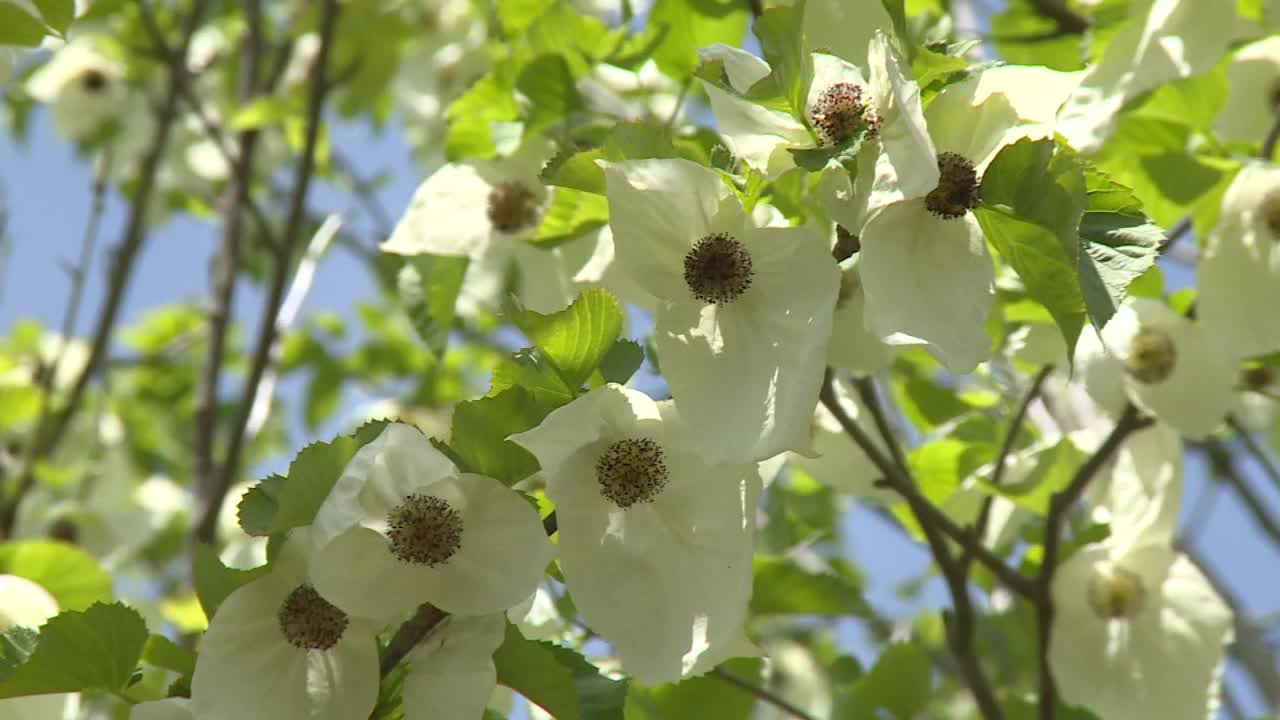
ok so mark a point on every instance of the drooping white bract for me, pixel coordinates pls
(648, 529)
(402, 526)
(451, 672)
(276, 647)
(1239, 271)
(924, 263)
(1162, 362)
(1138, 631)
(835, 460)
(1253, 77)
(167, 709)
(744, 313)
(1163, 40)
(485, 210)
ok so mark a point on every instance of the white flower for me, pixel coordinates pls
(648, 529)
(451, 672)
(924, 263)
(278, 648)
(1253, 77)
(744, 313)
(1239, 272)
(485, 210)
(1142, 494)
(84, 86)
(1162, 362)
(1162, 40)
(1138, 632)
(24, 603)
(167, 709)
(403, 526)
(836, 460)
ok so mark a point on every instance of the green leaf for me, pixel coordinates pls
(19, 404)
(898, 14)
(693, 24)
(779, 30)
(815, 159)
(577, 338)
(782, 588)
(97, 649)
(58, 14)
(899, 682)
(1052, 473)
(71, 575)
(312, 474)
(428, 286)
(929, 66)
(557, 679)
(1033, 195)
(1026, 37)
(472, 114)
(530, 370)
(215, 581)
(516, 15)
(19, 28)
(622, 361)
(162, 652)
(572, 213)
(266, 110)
(576, 170)
(698, 698)
(548, 84)
(324, 390)
(16, 645)
(480, 429)
(1120, 243)
(259, 505)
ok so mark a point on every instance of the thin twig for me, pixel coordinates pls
(866, 390)
(409, 634)
(317, 93)
(1131, 420)
(761, 693)
(1258, 452)
(1226, 471)
(120, 271)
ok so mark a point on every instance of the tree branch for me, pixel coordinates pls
(409, 634)
(1131, 420)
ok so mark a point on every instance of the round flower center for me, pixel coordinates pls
(310, 622)
(424, 530)
(840, 113)
(847, 244)
(632, 471)
(512, 207)
(1269, 211)
(718, 269)
(957, 190)
(1151, 356)
(93, 80)
(1117, 594)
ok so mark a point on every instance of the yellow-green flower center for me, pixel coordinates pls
(1116, 594)
(958, 187)
(1152, 356)
(310, 622)
(424, 530)
(632, 471)
(718, 269)
(512, 207)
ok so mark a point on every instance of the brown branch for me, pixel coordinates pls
(206, 526)
(409, 634)
(866, 390)
(1131, 421)
(1224, 470)
(1258, 452)
(120, 271)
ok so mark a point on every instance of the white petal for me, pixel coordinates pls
(746, 373)
(907, 167)
(1144, 493)
(608, 410)
(658, 209)
(743, 68)
(853, 346)
(24, 603)
(845, 198)
(451, 674)
(601, 270)
(55, 706)
(448, 215)
(844, 27)
(545, 280)
(758, 135)
(837, 460)
(1100, 372)
(167, 709)
(1252, 77)
(929, 278)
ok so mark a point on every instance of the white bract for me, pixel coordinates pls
(1253, 79)
(924, 263)
(451, 672)
(276, 647)
(1162, 362)
(1140, 497)
(1239, 271)
(24, 603)
(486, 209)
(1163, 40)
(744, 313)
(167, 709)
(835, 460)
(83, 86)
(648, 529)
(402, 526)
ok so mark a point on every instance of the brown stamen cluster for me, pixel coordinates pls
(718, 269)
(1116, 595)
(310, 622)
(93, 80)
(957, 190)
(424, 530)
(840, 113)
(512, 207)
(632, 471)
(1152, 356)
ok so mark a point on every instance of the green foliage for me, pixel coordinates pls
(71, 575)
(621, 361)
(97, 649)
(782, 44)
(16, 645)
(900, 681)
(472, 115)
(693, 24)
(707, 696)
(1033, 195)
(1120, 243)
(214, 581)
(780, 587)
(577, 338)
(19, 28)
(162, 652)
(572, 213)
(479, 442)
(19, 405)
(429, 286)
(1053, 471)
(557, 679)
